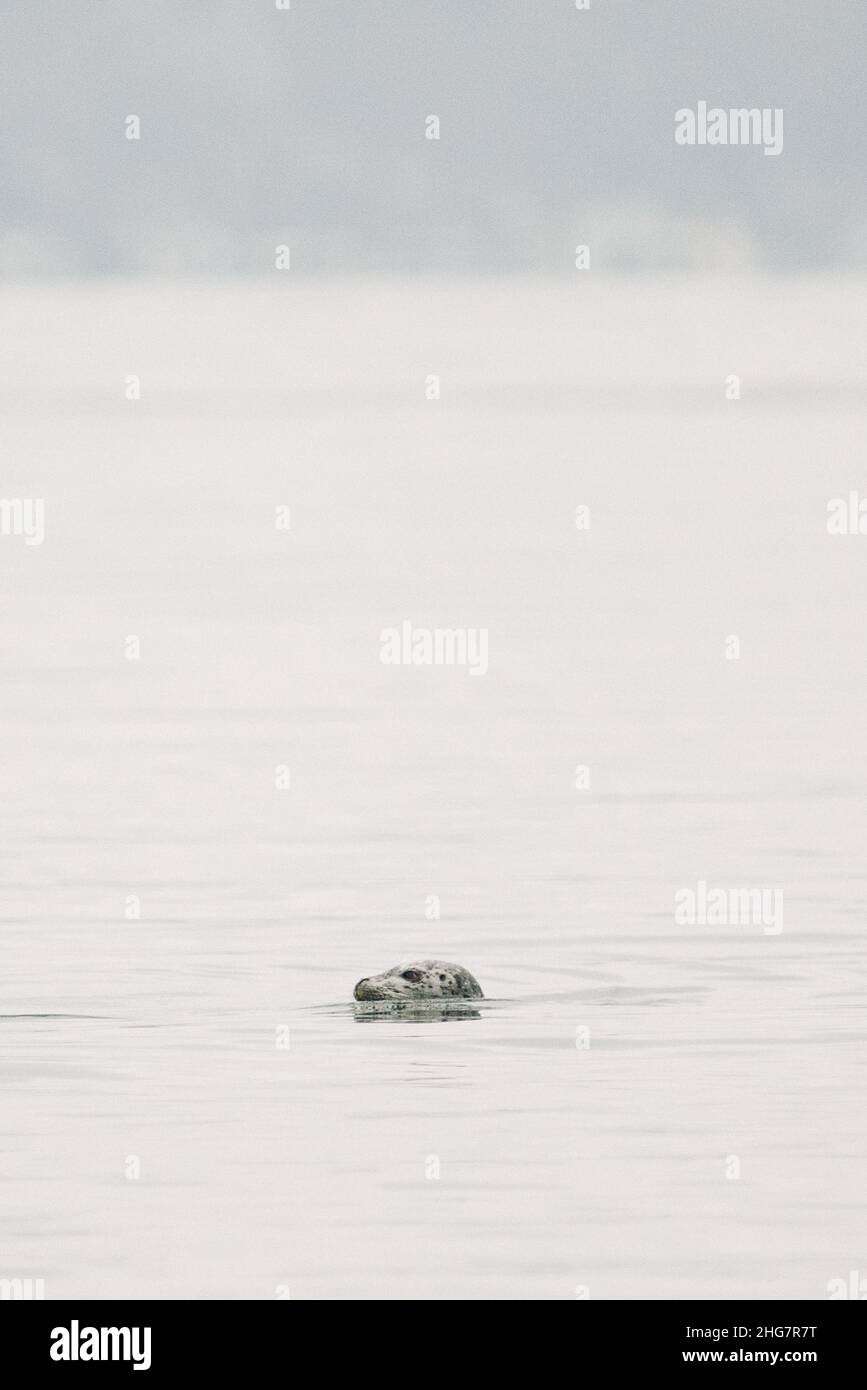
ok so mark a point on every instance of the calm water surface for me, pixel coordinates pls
(638, 1108)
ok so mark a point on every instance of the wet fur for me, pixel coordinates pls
(440, 979)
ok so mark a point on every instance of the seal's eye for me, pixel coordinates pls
(412, 975)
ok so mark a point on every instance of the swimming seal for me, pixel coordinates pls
(420, 979)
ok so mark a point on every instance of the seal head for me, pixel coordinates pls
(420, 979)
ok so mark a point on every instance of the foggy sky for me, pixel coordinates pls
(306, 127)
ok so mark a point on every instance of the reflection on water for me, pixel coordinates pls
(429, 1011)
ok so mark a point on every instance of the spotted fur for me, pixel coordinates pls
(420, 979)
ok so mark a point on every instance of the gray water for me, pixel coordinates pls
(638, 1108)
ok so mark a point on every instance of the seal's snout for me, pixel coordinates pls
(359, 988)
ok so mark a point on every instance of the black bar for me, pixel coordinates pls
(221, 1339)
